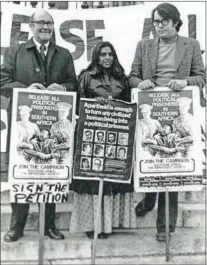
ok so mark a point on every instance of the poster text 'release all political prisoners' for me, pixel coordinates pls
(168, 142)
(41, 145)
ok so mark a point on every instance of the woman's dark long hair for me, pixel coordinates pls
(96, 69)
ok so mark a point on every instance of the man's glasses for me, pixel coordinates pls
(43, 23)
(164, 22)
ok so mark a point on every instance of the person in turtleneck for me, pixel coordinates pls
(173, 61)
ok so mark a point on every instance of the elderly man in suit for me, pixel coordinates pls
(167, 60)
(37, 64)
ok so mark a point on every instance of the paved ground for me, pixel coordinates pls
(187, 246)
(189, 259)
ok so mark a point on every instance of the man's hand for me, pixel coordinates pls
(56, 87)
(36, 86)
(146, 84)
(177, 85)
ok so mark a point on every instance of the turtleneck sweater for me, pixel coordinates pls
(165, 70)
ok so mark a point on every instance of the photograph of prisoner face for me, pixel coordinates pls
(98, 150)
(121, 153)
(97, 164)
(123, 138)
(111, 138)
(110, 151)
(86, 149)
(87, 135)
(85, 163)
(100, 137)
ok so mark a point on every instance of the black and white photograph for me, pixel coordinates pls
(123, 139)
(88, 135)
(121, 152)
(111, 151)
(98, 150)
(111, 137)
(86, 149)
(85, 163)
(103, 132)
(100, 136)
(97, 164)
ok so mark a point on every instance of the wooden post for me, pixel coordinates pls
(167, 224)
(97, 220)
(41, 233)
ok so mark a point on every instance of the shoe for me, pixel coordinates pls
(161, 236)
(90, 234)
(12, 236)
(103, 235)
(54, 234)
(145, 205)
(140, 210)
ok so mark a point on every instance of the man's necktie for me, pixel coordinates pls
(42, 50)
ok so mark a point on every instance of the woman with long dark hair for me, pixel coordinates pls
(103, 79)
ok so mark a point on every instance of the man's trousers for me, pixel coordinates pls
(149, 202)
(20, 213)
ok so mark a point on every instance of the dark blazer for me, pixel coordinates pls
(23, 66)
(189, 63)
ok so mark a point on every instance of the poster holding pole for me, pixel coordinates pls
(167, 228)
(97, 221)
(41, 233)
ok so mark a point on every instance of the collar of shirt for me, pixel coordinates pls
(37, 44)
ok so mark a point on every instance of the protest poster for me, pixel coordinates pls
(105, 139)
(168, 143)
(41, 148)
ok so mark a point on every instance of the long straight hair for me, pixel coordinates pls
(96, 69)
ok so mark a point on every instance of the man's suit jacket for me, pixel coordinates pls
(23, 66)
(189, 64)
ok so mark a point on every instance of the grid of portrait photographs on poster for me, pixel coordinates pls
(99, 144)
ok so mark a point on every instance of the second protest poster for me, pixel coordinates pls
(105, 138)
(168, 143)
